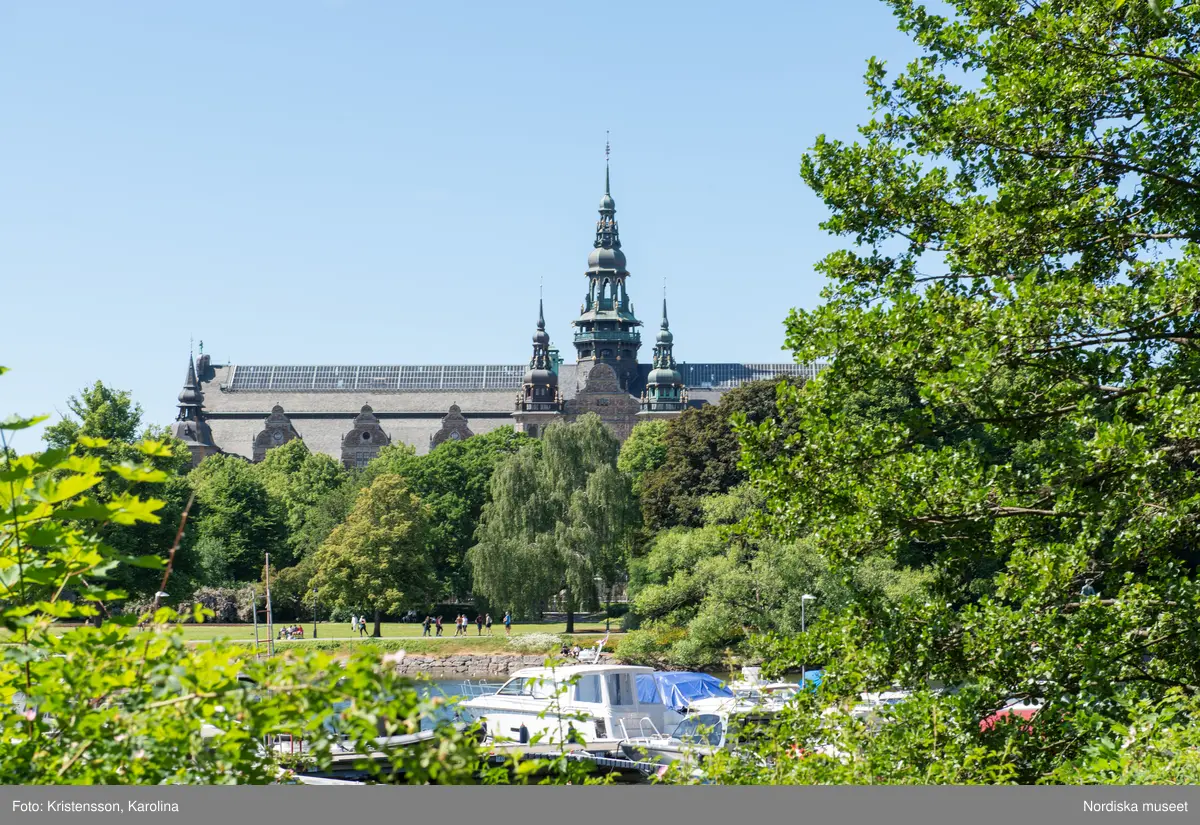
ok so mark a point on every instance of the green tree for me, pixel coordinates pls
(557, 518)
(237, 520)
(1021, 218)
(97, 412)
(379, 558)
(645, 450)
(110, 423)
(300, 481)
(703, 457)
(453, 481)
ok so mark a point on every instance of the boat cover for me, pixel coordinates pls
(678, 690)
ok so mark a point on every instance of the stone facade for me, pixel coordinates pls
(454, 428)
(277, 431)
(602, 395)
(364, 442)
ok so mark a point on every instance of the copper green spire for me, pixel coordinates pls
(607, 145)
(607, 205)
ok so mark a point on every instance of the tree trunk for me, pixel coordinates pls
(570, 605)
(378, 633)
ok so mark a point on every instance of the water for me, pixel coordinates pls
(454, 689)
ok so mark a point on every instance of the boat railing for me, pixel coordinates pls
(473, 690)
(643, 723)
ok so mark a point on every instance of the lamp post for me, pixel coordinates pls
(314, 612)
(804, 600)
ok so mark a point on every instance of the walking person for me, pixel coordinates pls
(362, 626)
(353, 624)
(479, 622)
(439, 625)
(488, 622)
(462, 624)
(425, 625)
(508, 623)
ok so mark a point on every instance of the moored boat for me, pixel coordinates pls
(597, 705)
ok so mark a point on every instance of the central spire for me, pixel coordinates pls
(606, 330)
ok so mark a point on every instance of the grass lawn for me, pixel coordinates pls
(340, 631)
(390, 630)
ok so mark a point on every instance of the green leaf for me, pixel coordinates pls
(91, 442)
(127, 509)
(147, 562)
(155, 449)
(18, 423)
(86, 509)
(67, 488)
(138, 472)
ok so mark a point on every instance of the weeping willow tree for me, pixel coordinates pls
(556, 520)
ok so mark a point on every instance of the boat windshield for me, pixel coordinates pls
(535, 686)
(700, 729)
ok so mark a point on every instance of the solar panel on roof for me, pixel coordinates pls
(259, 378)
(433, 377)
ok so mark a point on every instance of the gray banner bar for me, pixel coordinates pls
(340, 805)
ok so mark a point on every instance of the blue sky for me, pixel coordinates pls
(354, 181)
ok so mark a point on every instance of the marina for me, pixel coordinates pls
(629, 723)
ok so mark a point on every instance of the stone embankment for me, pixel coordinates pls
(468, 665)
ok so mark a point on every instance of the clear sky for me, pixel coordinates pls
(386, 182)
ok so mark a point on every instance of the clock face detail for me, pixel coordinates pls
(278, 436)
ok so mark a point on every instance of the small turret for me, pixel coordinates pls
(540, 384)
(664, 385)
(190, 427)
(539, 399)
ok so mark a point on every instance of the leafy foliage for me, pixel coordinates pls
(452, 480)
(378, 559)
(237, 519)
(702, 459)
(1022, 210)
(557, 518)
(645, 450)
(707, 594)
(300, 480)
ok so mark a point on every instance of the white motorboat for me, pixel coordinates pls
(684, 693)
(560, 705)
(694, 738)
(751, 688)
(873, 703)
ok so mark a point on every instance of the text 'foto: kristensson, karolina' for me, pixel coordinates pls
(61, 806)
(1125, 806)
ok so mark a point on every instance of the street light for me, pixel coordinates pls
(804, 600)
(314, 612)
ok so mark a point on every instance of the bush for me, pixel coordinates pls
(648, 647)
(536, 642)
(228, 604)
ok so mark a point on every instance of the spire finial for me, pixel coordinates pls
(541, 318)
(607, 147)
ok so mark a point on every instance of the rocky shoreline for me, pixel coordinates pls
(468, 665)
